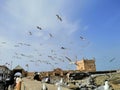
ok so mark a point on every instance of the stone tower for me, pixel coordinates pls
(86, 65)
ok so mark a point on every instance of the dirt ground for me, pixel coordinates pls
(29, 84)
(113, 78)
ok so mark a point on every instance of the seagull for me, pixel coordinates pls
(72, 63)
(82, 87)
(39, 28)
(50, 35)
(20, 43)
(3, 42)
(32, 61)
(63, 48)
(44, 87)
(82, 38)
(16, 45)
(104, 87)
(27, 44)
(68, 58)
(59, 87)
(22, 54)
(59, 84)
(30, 33)
(59, 17)
(112, 59)
(61, 81)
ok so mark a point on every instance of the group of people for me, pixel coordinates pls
(13, 82)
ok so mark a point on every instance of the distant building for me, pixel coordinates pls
(81, 66)
(4, 72)
(55, 72)
(86, 65)
(4, 69)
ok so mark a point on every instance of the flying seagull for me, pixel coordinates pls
(3, 42)
(20, 43)
(39, 28)
(112, 59)
(82, 38)
(59, 17)
(68, 58)
(50, 35)
(70, 61)
(22, 54)
(16, 45)
(30, 33)
(63, 48)
(27, 44)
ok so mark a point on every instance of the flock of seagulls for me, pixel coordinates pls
(80, 86)
(54, 58)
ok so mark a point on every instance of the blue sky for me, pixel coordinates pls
(89, 29)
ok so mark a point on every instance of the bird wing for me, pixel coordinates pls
(59, 17)
(68, 58)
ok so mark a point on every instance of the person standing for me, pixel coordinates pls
(18, 83)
